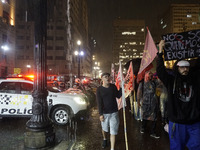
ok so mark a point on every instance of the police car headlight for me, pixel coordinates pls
(79, 100)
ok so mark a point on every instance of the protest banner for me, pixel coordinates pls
(182, 45)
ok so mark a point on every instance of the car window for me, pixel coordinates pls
(8, 87)
(26, 88)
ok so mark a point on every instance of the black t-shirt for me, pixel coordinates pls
(106, 99)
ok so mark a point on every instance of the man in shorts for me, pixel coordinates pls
(108, 109)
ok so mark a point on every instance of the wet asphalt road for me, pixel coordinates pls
(89, 135)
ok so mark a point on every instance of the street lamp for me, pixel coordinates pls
(4, 60)
(79, 53)
(96, 68)
(5, 47)
(28, 68)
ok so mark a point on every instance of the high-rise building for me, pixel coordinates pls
(67, 23)
(180, 18)
(128, 40)
(7, 37)
(24, 56)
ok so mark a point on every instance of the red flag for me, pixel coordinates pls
(149, 54)
(129, 81)
(118, 79)
(118, 83)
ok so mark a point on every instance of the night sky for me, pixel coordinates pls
(103, 12)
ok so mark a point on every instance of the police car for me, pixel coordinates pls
(16, 101)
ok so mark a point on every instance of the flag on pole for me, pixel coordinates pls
(118, 84)
(129, 81)
(118, 79)
(149, 54)
(123, 102)
(112, 73)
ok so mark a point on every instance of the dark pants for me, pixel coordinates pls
(153, 125)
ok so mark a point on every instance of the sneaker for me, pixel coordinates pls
(155, 136)
(104, 144)
(142, 130)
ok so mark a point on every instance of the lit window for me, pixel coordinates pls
(161, 21)
(132, 43)
(142, 29)
(189, 16)
(128, 33)
(164, 26)
(194, 22)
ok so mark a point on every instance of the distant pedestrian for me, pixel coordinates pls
(183, 102)
(108, 109)
(148, 101)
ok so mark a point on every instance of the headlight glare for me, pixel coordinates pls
(79, 100)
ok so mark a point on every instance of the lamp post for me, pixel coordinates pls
(4, 60)
(40, 133)
(96, 68)
(28, 68)
(79, 59)
(79, 53)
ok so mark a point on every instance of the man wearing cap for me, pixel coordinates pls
(108, 109)
(183, 103)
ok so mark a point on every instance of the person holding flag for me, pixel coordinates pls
(146, 94)
(108, 109)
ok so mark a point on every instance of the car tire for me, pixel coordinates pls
(61, 115)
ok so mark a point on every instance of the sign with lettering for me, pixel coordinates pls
(182, 45)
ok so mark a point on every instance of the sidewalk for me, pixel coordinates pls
(12, 135)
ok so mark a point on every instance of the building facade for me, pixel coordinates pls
(7, 37)
(128, 40)
(24, 56)
(180, 18)
(66, 24)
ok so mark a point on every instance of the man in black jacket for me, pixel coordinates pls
(108, 109)
(183, 103)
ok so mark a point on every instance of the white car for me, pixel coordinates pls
(16, 101)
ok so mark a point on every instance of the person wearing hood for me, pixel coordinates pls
(148, 102)
(183, 104)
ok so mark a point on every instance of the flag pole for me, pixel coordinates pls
(124, 114)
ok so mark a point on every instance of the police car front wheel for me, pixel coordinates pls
(60, 115)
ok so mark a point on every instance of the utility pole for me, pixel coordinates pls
(40, 132)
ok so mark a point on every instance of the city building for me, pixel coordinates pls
(67, 23)
(7, 37)
(77, 29)
(24, 56)
(128, 40)
(179, 18)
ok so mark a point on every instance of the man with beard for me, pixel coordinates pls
(108, 109)
(183, 103)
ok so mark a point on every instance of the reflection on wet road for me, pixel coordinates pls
(89, 135)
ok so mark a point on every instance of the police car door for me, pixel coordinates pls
(26, 98)
(8, 98)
